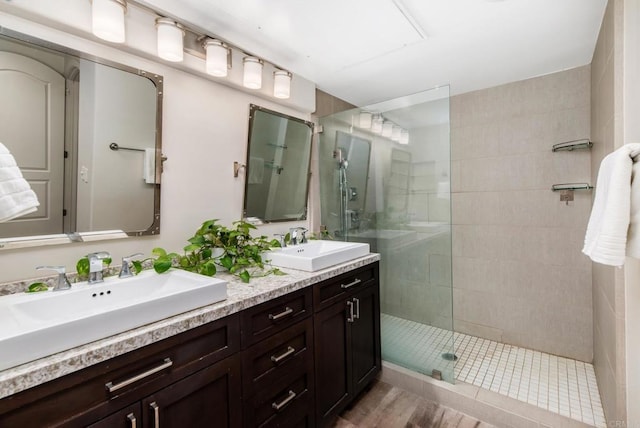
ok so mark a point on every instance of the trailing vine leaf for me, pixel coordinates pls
(158, 252)
(82, 267)
(137, 266)
(245, 276)
(37, 287)
(162, 264)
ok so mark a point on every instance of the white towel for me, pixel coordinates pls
(16, 197)
(149, 166)
(612, 232)
(256, 170)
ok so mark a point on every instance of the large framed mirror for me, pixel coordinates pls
(86, 136)
(277, 166)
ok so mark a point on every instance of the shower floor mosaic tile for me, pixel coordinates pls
(560, 385)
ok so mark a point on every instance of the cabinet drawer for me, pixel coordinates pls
(129, 376)
(332, 290)
(282, 406)
(273, 316)
(278, 357)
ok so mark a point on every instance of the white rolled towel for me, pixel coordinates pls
(612, 232)
(16, 197)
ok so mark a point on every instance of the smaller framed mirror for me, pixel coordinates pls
(277, 166)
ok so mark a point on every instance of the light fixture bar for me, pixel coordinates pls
(170, 39)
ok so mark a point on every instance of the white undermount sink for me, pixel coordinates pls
(316, 255)
(34, 325)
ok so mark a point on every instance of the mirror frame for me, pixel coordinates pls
(158, 82)
(252, 109)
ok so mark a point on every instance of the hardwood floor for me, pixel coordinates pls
(386, 406)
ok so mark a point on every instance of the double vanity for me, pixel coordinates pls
(288, 350)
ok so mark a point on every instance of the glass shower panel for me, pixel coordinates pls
(394, 193)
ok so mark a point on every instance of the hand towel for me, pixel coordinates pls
(256, 170)
(16, 197)
(149, 166)
(610, 235)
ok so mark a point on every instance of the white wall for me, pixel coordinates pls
(205, 128)
(632, 266)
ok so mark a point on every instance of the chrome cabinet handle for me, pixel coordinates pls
(156, 414)
(285, 354)
(351, 284)
(351, 317)
(132, 420)
(111, 387)
(357, 315)
(280, 405)
(276, 317)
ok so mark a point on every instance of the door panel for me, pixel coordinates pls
(32, 128)
(365, 338)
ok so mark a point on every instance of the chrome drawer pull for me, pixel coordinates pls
(284, 355)
(132, 420)
(287, 311)
(351, 284)
(111, 387)
(156, 414)
(280, 405)
(351, 317)
(357, 315)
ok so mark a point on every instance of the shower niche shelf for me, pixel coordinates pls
(569, 146)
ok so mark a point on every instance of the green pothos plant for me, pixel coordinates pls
(214, 246)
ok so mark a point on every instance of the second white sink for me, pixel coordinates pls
(316, 255)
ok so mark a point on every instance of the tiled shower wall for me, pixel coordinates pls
(608, 282)
(519, 275)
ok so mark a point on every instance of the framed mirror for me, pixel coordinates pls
(277, 166)
(86, 136)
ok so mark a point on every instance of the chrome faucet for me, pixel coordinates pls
(63, 283)
(296, 238)
(125, 270)
(282, 238)
(95, 266)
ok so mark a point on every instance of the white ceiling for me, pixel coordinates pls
(366, 51)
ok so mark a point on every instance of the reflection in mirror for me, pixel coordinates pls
(65, 116)
(277, 167)
(352, 155)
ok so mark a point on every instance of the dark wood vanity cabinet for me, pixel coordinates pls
(294, 361)
(347, 339)
(278, 379)
(118, 387)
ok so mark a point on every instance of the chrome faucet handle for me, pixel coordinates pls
(125, 270)
(282, 239)
(95, 266)
(63, 282)
(303, 233)
(293, 235)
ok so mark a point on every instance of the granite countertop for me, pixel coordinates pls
(240, 296)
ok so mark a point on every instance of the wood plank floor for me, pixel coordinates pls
(386, 406)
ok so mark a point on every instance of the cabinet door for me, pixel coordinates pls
(129, 417)
(365, 338)
(208, 398)
(333, 371)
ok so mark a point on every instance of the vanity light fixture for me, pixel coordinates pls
(376, 124)
(252, 77)
(218, 57)
(396, 132)
(365, 120)
(107, 19)
(404, 137)
(170, 39)
(281, 84)
(387, 129)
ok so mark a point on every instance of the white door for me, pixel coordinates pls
(32, 128)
